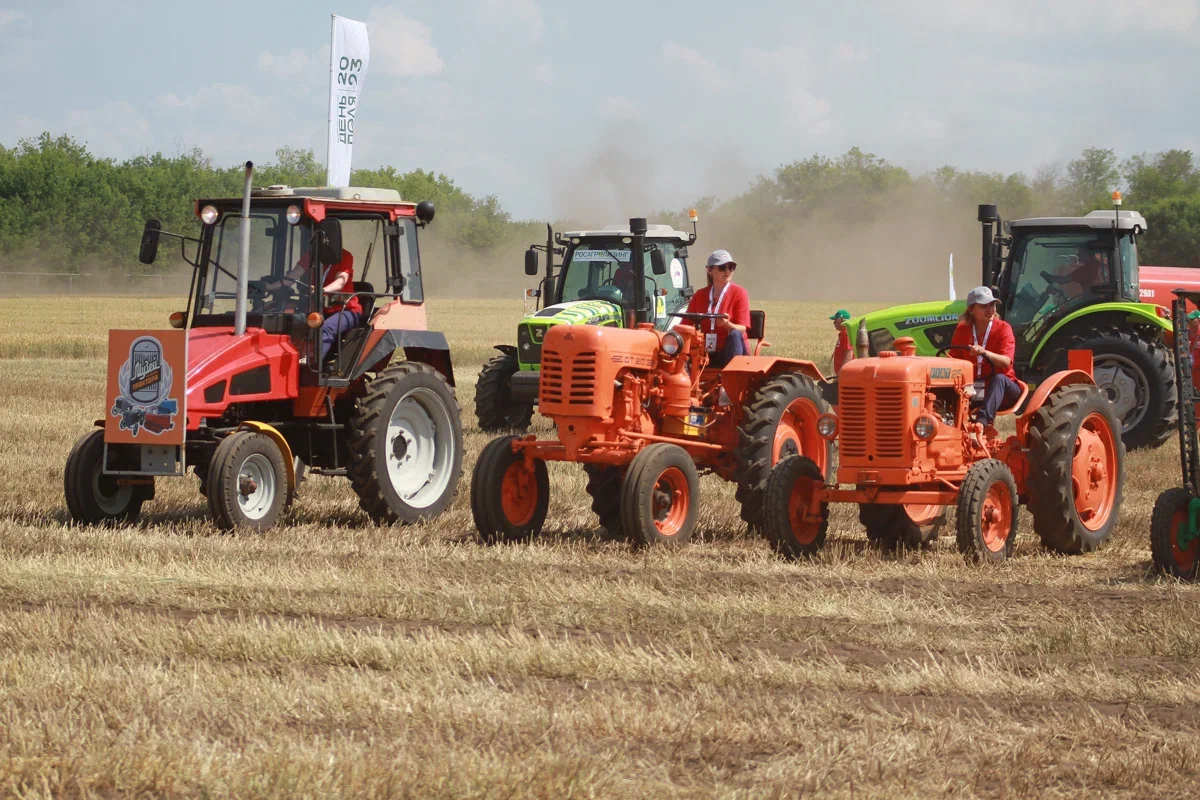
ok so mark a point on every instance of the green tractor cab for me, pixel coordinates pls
(1064, 283)
(619, 276)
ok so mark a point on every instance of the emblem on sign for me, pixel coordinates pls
(144, 383)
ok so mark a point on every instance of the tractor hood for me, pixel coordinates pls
(223, 368)
(578, 312)
(930, 324)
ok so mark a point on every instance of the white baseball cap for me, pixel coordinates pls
(720, 257)
(980, 295)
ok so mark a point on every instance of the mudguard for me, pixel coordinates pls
(428, 347)
(284, 447)
(744, 371)
(1144, 313)
(1043, 391)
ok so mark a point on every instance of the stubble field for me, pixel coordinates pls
(332, 657)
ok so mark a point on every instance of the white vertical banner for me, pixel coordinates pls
(348, 56)
(953, 296)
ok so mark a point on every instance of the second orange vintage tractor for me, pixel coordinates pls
(908, 447)
(638, 409)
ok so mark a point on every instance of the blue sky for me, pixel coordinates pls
(614, 108)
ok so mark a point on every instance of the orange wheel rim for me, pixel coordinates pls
(802, 491)
(923, 514)
(995, 520)
(518, 494)
(1094, 471)
(1185, 558)
(796, 434)
(671, 501)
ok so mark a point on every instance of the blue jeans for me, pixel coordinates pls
(735, 345)
(1001, 392)
(334, 326)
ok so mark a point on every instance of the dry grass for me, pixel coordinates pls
(331, 657)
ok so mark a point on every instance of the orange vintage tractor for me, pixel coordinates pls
(908, 446)
(638, 409)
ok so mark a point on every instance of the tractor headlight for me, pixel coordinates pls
(672, 343)
(293, 215)
(827, 426)
(209, 215)
(925, 427)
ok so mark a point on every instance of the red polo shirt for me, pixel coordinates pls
(735, 304)
(1000, 340)
(343, 267)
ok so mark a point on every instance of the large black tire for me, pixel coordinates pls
(789, 488)
(247, 483)
(1069, 518)
(507, 503)
(660, 496)
(1169, 519)
(494, 407)
(891, 526)
(1130, 368)
(604, 487)
(406, 445)
(987, 512)
(92, 497)
(758, 450)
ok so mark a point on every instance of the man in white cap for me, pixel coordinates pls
(988, 342)
(726, 337)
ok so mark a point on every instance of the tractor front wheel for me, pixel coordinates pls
(780, 420)
(94, 498)
(247, 483)
(494, 406)
(987, 512)
(1174, 550)
(406, 445)
(895, 526)
(660, 496)
(789, 493)
(509, 499)
(1077, 467)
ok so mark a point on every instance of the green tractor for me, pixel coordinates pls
(1064, 283)
(598, 283)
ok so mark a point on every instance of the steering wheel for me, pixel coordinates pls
(258, 300)
(943, 350)
(690, 315)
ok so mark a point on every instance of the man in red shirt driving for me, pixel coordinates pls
(987, 341)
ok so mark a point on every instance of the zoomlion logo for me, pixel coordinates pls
(917, 322)
(144, 382)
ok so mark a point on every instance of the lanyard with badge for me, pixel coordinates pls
(980, 382)
(710, 339)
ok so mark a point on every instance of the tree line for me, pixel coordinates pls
(62, 206)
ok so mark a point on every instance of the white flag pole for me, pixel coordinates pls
(953, 296)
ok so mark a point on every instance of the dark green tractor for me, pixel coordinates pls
(598, 283)
(1064, 283)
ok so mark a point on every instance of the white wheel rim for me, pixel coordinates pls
(113, 504)
(255, 486)
(419, 447)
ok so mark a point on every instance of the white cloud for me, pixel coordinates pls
(849, 54)
(287, 65)
(518, 15)
(401, 46)
(544, 73)
(114, 129)
(697, 66)
(11, 15)
(786, 74)
(618, 107)
(1060, 18)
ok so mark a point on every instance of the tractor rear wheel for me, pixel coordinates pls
(247, 483)
(1076, 469)
(895, 526)
(789, 492)
(1136, 376)
(406, 445)
(660, 496)
(778, 421)
(1168, 525)
(604, 487)
(508, 499)
(987, 512)
(494, 407)
(94, 498)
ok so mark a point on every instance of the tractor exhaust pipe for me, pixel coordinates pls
(988, 216)
(243, 270)
(862, 341)
(637, 258)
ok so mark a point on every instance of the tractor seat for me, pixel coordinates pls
(757, 330)
(367, 301)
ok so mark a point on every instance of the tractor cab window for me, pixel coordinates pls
(274, 247)
(600, 270)
(1053, 270)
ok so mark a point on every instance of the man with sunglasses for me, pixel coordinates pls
(724, 338)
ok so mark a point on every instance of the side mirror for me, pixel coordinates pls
(149, 249)
(329, 241)
(658, 262)
(531, 262)
(425, 211)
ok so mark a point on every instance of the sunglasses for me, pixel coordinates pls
(726, 267)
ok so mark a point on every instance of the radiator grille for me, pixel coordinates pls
(566, 383)
(872, 421)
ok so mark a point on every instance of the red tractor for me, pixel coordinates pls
(908, 447)
(639, 410)
(238, 391)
